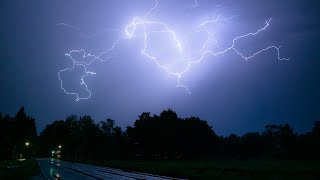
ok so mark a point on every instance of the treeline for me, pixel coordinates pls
(164, 136)
(16, 133)
(81, 139)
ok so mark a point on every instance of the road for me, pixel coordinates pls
(57, 169)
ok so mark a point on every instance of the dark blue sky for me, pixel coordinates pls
(233, 95)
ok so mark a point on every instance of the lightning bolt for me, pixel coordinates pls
(142, 27)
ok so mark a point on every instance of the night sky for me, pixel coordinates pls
(233, 95)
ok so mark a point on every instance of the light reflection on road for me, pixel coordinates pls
(57, 169)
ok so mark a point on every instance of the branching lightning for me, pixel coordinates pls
(143, 27)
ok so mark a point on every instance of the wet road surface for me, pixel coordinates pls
(57, 169)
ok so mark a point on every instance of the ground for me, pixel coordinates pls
(14, 169)
(210, 169)
(224, 169)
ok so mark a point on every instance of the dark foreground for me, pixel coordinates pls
(14, 169)
(224, 169)
(57, 169)
(213, 169)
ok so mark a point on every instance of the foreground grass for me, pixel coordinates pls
(223, 169)
(18, 169)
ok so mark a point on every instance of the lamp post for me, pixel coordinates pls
(27, 150)
(59, 151)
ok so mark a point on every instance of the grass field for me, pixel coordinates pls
(18, 169)
(224, 169)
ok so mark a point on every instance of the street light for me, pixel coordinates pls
(60, 146)
(27, 143)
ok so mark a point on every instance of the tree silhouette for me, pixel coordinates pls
(163, 136)
(168, 136)
(15, 132)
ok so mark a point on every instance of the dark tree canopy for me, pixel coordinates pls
(168, 136)
(82, 138)
(15, 132)
(164, 136)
